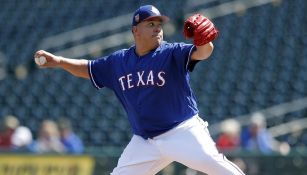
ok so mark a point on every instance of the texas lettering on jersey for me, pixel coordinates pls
(142, 78)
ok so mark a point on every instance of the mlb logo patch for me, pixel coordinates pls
(137, 18)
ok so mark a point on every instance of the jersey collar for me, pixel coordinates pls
(158, 49)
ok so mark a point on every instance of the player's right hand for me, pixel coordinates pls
(51, 60)
(201, 29)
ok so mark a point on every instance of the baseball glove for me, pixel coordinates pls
(201, 29)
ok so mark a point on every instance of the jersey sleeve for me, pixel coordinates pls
(100, 71)
(182, 53)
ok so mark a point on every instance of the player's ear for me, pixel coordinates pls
(134, 29)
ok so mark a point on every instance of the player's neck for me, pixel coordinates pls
(140, 50)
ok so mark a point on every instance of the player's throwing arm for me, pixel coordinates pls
(77, 67)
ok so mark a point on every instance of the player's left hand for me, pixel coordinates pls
(201, 29)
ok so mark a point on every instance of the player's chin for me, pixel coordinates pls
(158, 39)
(157, 43)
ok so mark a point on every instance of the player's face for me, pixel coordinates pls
(150, 32)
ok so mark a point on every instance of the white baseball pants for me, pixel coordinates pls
(189, 144)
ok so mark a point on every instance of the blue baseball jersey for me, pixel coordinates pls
(154, 89)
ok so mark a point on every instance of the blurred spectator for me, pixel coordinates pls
(229, 140)
(230, 137)
(256, 137)
(21, 139)
(9, 124)
(48, 140)
(69, 139)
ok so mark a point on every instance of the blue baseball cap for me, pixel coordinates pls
(147, 12)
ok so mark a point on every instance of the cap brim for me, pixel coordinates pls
(162, 17)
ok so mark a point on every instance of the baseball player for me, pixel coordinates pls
(151, 80)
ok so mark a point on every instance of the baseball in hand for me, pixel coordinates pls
(40, 60)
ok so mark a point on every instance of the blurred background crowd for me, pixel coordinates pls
(252, 91)
(59, 137)
(52, 137)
